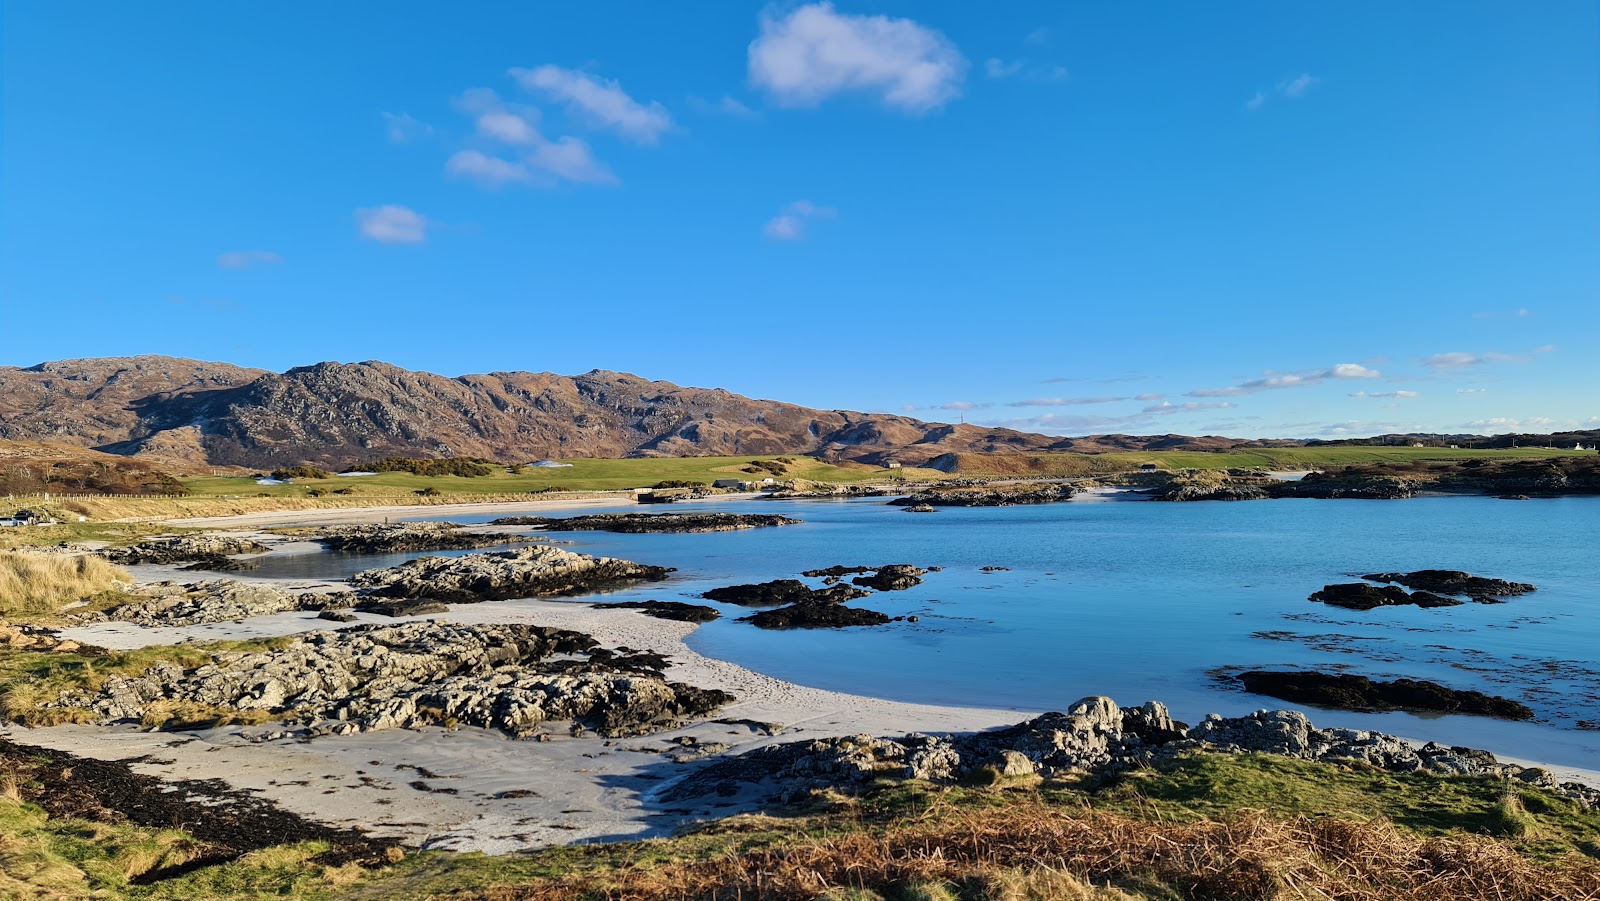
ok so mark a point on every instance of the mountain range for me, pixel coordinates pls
(339, 414)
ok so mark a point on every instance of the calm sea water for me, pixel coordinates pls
(1140, 600)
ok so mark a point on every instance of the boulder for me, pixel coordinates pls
(539, 571)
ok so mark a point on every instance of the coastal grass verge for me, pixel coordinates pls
(1208, 826)
(32, 682)
(35, 585)
(1066, 465)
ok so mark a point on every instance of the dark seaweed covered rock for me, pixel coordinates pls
(1361, 596)
(1349, 692)
(893, 577)
(816, 616)
(783, 591)
(673, 610)
(1451, 581)
(651, 522)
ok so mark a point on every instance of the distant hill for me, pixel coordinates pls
(336, 414)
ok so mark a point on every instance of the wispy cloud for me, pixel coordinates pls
(488, 171)
(790, 225)
(727, 106)
(245, 259)
(814, 53)
(1039, 37)
(1295, 88)
(1472, 390)
(569, 158)
(1271, 381)
(601, 101)
(1384, 394)
(963, 405)
(403, 128)
(1522, 313)
(1073, 424)
(994, 67)
(1462, 360)
(1499, 425)
(392, 224)
(1256, 102)
(1064, 401)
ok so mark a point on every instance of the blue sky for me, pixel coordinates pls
(1249, 219)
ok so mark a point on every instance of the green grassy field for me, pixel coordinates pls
(582, 475)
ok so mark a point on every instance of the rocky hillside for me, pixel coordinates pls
(337, 414)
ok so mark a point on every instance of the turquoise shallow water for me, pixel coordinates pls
(1141, 600)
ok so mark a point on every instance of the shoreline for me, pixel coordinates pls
(447, 789)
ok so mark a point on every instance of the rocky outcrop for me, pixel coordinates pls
(183, 549)
(983, 495)
(1451, 581)
(1094, 737)
(1347, 484)
(1210, 485)
(1343, 691)
(1361, 596)
(921, 508)
(893, 577)
(673, 610)
(511, 677)
(783, 591)
(405, 538)
(651, 522)
(529, 572)
(816, 616)
(214, 601)
(26, 637)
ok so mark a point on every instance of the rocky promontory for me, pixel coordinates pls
(1094, 737)
(510, 677)
(210, 551)
(529, 572)
(636, 523)
(1343, 691)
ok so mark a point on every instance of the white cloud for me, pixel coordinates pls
(1297, 87)
(403, 128)
(392, 224)
(488, 171)
(1499, 425)
(1256, 102)
(569, 158)
(1472, 390)
(244, 259)
(1038, 37)
(1149, 396)
(1521, 313)
(1291, 380)
(600, 100)
(814, 53)
(1384, 394)
(963, 405)
(790, 224)
(1029, 70)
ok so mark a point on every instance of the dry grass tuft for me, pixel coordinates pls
(1032, 850)
(33, 585)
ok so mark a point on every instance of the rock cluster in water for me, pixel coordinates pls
(511, 677)
(1095, 737)
(651, 522)
(1451, 581)
(783, 591)
(407, 537)
(1344, 691)
(214, 601)
(538, 571)
(203, 551)
(988, 495)
(1361, 596)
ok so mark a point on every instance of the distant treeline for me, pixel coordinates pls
(466, 467)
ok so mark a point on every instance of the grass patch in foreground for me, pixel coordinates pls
(34, 585)
(1214, 826)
